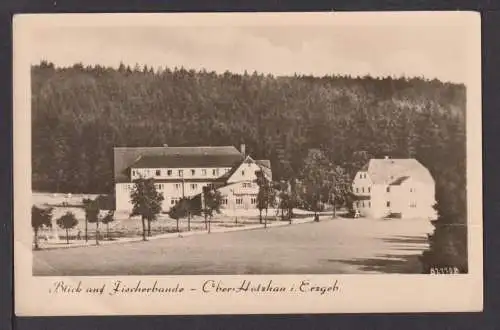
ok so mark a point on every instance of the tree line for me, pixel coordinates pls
(80, 113)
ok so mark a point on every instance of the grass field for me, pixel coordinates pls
(328, 247)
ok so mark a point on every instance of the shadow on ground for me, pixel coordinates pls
(405, 262)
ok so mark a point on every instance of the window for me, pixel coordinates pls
(194, 186)
(169, 172)
(247, 185)
(239, 201)
(362, 204)
(204, 172)
(213, 172)
(243, 173)
(388, 189)
(253, 200)
(357, 190)
(369, 204)
(134, 173)
(181, 173)
(388, 204)
(369, 189)
(177, 186)
(193, 172)
(363, 189)
(224, 201)
(173, 201)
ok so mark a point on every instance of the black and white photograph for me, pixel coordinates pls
(231, 146)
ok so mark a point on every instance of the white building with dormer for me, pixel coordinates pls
(184, 171)
(394, 188)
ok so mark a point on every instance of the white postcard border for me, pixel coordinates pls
(356, 294)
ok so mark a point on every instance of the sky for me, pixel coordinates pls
(428, 50)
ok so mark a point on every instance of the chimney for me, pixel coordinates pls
(242, 149)
(165, 145)
(386, 157)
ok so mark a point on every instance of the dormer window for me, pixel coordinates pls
(169, 172)
(193, 172)
(134, 173)
(181, 173)
(158, 173)
(204, 172)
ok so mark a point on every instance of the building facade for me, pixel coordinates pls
(184, 171)
(394, 188)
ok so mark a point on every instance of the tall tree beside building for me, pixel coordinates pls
(40, 218)
(266, 196)
(317, 185)
(146, 203)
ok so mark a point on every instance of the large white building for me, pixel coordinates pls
(184, 171)
(394, 187)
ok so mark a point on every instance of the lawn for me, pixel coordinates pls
(332, 246)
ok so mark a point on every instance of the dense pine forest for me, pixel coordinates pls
(80, 113)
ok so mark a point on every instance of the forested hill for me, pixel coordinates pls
(80, 113)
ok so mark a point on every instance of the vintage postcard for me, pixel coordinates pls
(247, 163)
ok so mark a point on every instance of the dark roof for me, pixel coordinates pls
(186, 161)
(125, 157)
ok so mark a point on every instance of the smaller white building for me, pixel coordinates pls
(394, 188)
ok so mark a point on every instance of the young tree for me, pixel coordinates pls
(146, 201)
(212, 201)
(91, 207)
(67, 222)
(179, 210)
(39, 218)
(107, 219)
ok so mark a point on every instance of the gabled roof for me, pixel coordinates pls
(396, 171)
(217, 156)
(265, 165)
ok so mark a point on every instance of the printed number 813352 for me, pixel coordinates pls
(444, 270)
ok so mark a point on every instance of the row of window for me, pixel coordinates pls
(161, 186)
(362, 204)
(180, 173)
(388, 189)
(363, 189)
(388, 204)
(239, 201)
(362, 175)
